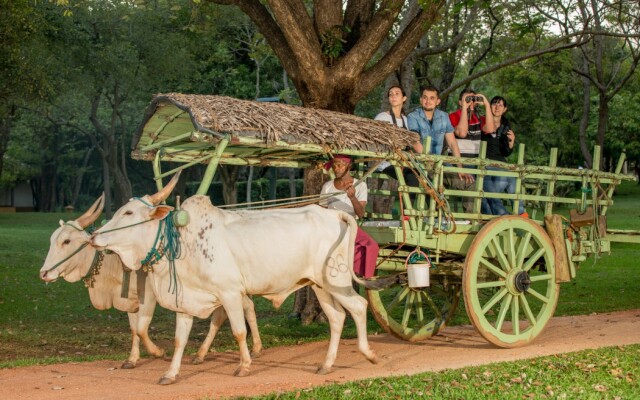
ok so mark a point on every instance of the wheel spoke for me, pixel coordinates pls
(500, 255)
(434, 308)
(407, 309)
(527, 310)
(515, 316)
(541, 277)
(492, 284)
(492, 267)
(522, 250)
(537, 295)
(419, 310)
(493, 300)
(511, 238)
(532, 260)
(504, 309)
(396, 300)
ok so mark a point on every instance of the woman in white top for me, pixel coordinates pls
(397, 98)
(396, 115)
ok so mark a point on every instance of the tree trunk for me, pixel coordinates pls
(78, 184)
(584, 120)
(249, 182)
(229, 177)
(5, 132)
(306, 306)
(108, 201)
(292, 182)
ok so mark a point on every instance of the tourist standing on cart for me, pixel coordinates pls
(499, 146)
(430, 121)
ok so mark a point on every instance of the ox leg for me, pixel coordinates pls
(357, 307)
(336, 315)
(250, 316)
(145, 315)
(183, 327)
(134, 354)
(235, 311)
(139, 324)
(217, 319)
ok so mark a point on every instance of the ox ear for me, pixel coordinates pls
(160, 212)
(166, 191)
(92, 214)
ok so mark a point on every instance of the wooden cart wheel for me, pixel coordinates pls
(414, 314)
(509, 285)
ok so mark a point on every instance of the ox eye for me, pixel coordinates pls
(66, 241)
(128, 212)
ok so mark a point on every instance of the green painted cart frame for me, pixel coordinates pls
(508, 269)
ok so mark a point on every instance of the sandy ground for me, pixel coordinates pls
(289, 368)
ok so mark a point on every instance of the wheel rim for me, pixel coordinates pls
(414, 314)
(510, 290)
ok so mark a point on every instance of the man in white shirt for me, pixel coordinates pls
(352, 199)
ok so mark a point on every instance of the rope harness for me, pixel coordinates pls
(89, 278)
(166, 243)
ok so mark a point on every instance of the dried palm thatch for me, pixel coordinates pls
(274, 122)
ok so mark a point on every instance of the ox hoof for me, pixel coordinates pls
(197, 360)
(374, 360)
(241, 372)
(159, 354)
(167, 381)
(324, 371)
(256, 354)
(128, 365)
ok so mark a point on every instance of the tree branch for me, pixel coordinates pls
(400, 49)
(580, 41)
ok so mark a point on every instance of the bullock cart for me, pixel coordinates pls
(508, 269)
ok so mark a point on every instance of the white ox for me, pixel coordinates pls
(228, 255)
(105, 292)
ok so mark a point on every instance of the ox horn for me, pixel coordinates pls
(92, 214)
(166, 191)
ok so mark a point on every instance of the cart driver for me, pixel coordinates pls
(352, 199)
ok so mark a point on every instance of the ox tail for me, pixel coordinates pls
(373, 283)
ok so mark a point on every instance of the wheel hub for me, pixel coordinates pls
(522, 281)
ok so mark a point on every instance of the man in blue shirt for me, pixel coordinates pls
(428, 120)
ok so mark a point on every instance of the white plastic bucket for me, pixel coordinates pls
(418, 275)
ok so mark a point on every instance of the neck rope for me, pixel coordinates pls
(166, 243)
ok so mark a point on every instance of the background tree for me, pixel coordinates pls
(23, 78)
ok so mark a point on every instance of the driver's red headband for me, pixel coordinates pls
(343, 157)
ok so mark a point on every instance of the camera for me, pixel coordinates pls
(473, 99)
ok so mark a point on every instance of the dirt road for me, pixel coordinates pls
(288, 368)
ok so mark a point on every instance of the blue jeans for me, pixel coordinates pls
(511, 188)
(498, 184)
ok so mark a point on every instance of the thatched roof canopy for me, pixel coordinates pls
(271, 123)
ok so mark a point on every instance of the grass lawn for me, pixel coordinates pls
(52, 323)
(607, 373)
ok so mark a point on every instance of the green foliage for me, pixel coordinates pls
(332, 42)
(123, 54)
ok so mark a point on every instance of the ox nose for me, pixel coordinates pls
(43, 275)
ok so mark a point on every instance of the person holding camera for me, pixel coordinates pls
(499, 146)
(468, 124)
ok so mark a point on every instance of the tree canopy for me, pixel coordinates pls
(78, 74)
